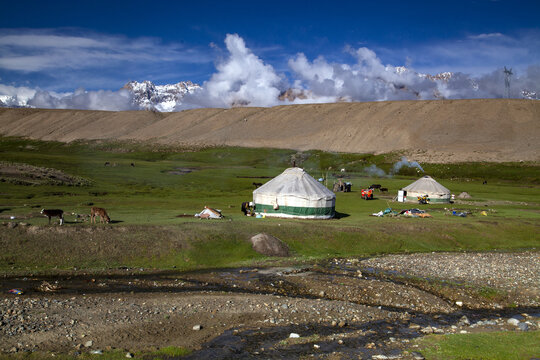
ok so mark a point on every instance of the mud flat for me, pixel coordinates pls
(343, 308)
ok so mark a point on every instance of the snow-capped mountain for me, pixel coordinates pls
(15, 101)
(531, 95)
(147, 95)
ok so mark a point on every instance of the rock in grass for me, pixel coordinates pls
(269, 245)
(513, 321)
(197, 327)
(294, 335)
(129, 355)
(464, 321)
(89, 343)
(464, 195)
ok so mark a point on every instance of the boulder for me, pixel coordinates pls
(464, 195)
(268, 245)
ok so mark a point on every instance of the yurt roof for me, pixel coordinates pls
(427, 184)
(295, 182)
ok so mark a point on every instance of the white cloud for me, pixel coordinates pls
(244, 79)
(366, 80)
(15, 96)
(86, 100)
(39, 50)
(241, 79)
(80, 99)
(476, 54)
(369, 79)
(486, 36)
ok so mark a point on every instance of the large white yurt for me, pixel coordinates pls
(295, 194)
(426, 185)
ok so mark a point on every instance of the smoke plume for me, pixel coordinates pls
(406, 163)
(373, 170)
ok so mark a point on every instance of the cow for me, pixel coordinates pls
(375, 186)
(383, 189)
(95, 211)
(54, 213)
(257, 185)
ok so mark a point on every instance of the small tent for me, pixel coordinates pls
(294, 194)
(209, 213)
(426, 185)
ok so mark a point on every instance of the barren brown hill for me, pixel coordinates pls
(441, 130)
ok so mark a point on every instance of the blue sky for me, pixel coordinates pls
(60, 46)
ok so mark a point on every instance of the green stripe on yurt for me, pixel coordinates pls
(295, 210)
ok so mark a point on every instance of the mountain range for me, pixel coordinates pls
(163, 98)
(146, 95)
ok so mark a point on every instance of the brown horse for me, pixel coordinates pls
(95, 211)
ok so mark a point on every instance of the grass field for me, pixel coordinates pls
(144, 201)
(169, 352)
(492, 346)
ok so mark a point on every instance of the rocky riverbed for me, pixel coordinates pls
(343, 308)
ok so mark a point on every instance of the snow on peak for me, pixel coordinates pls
(149, 96)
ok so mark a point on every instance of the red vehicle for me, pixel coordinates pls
(367, 194)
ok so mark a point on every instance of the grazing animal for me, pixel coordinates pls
(95, 211)
(132, 164)
(383, 189)
(107, 163)
(257, 185)
(485, 182)
(375, 186)
(54, 213)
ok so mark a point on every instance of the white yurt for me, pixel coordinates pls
(294, 194)
(426, 185)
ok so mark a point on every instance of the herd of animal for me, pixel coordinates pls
(378, 187)
(104, 217)
(94, 212)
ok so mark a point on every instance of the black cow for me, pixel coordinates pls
(54, 213)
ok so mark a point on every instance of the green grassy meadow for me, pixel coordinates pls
(493, 346)
(145, 200)
(169, 352)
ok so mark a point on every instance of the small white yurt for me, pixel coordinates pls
(294, 194)
(426, 185)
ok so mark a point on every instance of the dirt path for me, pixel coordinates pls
(342, 309)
